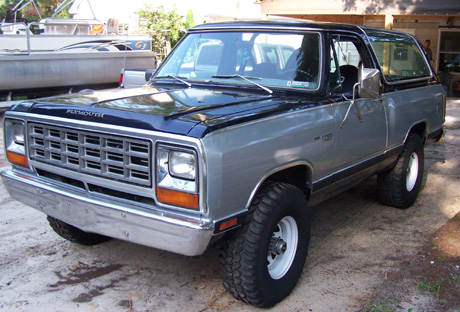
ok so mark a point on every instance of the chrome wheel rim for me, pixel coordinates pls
(283, 247)
(412, 172)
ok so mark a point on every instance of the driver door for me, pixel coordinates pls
(360, 126)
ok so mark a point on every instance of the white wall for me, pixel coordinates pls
(126, 11)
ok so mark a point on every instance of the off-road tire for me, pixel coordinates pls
(400, 186)
(74, 234)
(245, 267)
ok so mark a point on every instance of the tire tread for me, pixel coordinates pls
(392, 184)
(74, 234)
(240, 275)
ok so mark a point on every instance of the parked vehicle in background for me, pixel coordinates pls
(208, 60)
(241, 130)
(58, 55)
(132, 78)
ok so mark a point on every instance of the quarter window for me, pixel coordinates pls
(399, 56)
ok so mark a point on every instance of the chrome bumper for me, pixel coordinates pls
(147, 227)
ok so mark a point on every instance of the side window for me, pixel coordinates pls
(346, 56)
(399, 56)
(334, 75)
(347, 52)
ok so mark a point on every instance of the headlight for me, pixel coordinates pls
(18, 133)
(15, 142)
(182, 165)
(177, 182)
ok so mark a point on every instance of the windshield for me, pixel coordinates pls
(271, 59)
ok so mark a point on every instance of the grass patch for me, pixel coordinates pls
(380, 306)
(434, 288)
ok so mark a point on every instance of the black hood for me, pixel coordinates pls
(186, 111)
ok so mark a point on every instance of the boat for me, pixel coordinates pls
(58, 55)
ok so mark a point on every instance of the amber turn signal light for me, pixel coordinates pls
(17, 159)
(177, 198)
(228, 224)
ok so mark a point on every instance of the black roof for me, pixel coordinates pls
(287, 24)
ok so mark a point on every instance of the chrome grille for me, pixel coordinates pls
(100, 154)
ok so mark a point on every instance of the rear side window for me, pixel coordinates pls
(399, 56)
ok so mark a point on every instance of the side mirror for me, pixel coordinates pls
(149, 73)
(368, 87)
(369, 80)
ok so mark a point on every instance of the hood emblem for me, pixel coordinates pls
(84, 113)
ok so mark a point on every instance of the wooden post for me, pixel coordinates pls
(389, 21)
(387, 46)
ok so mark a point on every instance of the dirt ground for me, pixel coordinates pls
(429, 281)
(363, 256)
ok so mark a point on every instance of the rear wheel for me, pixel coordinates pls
(74, 234)
(263, 261)
(400, 186)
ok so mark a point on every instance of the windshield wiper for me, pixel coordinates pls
(188, 84)
(246, 78)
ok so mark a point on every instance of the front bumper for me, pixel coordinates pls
(170, 232)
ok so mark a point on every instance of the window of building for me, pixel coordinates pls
(449, 50)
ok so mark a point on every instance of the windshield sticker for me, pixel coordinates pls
(298, 84)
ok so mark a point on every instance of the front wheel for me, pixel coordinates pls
(263, 261)
(400, 186)
(74, 234)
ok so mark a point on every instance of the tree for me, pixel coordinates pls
(28, 13)
(189, 21)
(166, 28)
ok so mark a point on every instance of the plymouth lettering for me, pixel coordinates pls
(84, 113)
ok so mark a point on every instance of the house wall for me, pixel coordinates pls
(361, 7)
(421, 19)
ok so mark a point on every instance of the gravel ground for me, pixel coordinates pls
(356, 243)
